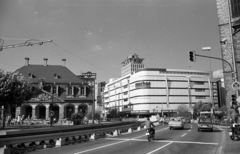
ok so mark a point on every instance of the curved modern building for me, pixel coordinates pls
(144, 91)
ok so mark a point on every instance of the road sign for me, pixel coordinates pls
(236, 85)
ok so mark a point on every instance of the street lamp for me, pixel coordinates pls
(51, 105)
(210, 86)
(91, 77)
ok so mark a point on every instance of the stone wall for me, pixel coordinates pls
(227, 47)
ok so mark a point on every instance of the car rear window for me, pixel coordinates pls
(205, 120)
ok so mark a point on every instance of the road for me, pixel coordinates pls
(177, 141)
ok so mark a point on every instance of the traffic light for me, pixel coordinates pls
(192, 56)
(234, 101)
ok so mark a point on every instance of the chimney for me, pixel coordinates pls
(26, 61)
(64, 62)
(45, 61)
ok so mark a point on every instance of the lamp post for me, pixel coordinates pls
(210, 65)
(51, 105)
(91, 77)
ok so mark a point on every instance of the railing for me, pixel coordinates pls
(23, 142)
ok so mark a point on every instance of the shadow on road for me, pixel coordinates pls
(159, 139)
(181, 129)
(214, 131)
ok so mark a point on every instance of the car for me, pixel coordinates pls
(176, 123)
(187, 120)
(182, 118)
(205, 124)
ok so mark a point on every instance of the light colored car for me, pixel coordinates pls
(176, 123)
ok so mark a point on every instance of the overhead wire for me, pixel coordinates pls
(82, 59)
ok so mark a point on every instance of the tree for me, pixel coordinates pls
(113, 113)
(220, 112)
(14, 90)
(97, 115)
(183, 108)
(200, 106)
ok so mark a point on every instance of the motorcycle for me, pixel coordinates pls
(235, 131)
(150, 135)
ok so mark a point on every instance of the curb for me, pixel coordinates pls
(220, 150)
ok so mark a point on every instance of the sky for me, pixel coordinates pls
(98, 35)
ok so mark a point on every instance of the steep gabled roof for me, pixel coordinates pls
(48, 74)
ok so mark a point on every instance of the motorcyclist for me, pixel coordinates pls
(150, 126)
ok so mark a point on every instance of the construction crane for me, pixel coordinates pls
(30, 42)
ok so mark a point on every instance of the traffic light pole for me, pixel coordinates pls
(218, 59)
(234, 78)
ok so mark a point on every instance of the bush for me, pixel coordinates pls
(97, 115)
(77, 118)
(113, 114)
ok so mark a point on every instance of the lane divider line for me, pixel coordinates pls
(159, 148)
(101, 147)
(155, 132)
(183, 134)
(184, 142)
(125, 140)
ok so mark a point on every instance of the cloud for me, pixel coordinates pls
(97, 48)
(88, 33)
(218, 74)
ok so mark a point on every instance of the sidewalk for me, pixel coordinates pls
(229, 146)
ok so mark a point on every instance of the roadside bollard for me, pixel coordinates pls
(5, 150)
(139, 128)
(59, 142)
(130, 130)
(93, 137)
(115, 133)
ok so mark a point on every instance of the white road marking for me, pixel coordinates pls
(183, 134)
(159, 148)
(155, 132)
(125, 140)
(144, 140)
(101, 147)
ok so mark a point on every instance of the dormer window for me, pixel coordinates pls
(69, 90)
(54, 90)
(56, 76)
(30, 75)
(82, 91)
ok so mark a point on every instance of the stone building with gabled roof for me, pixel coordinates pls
(56, 85)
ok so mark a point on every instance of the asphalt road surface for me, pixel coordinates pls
(177, 141)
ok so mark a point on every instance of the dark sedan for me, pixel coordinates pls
(205, 124)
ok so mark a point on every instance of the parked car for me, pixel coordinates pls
(205, 124)
(176, 123)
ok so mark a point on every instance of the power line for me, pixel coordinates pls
(82, 58)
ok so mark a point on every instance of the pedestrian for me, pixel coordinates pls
(22, 118)
(9, 120)
(19, 119)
